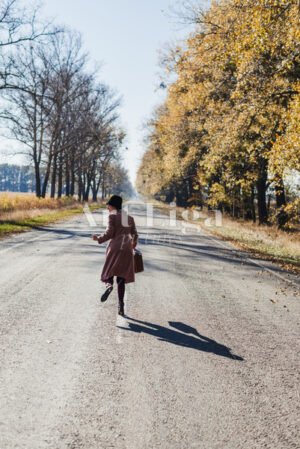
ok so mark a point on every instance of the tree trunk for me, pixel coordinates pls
(67, 177)
(37, 180)
(72, 186)
(94, 195)
(46, 179)
(94, 190)
(247, 208)
(261, 186)
(280, 194)
(103, 188)
(281, 216)
(87, 193)
(60, 176)
(53, 177)
(253, 205)
(80, 188)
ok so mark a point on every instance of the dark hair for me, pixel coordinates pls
(115, 201)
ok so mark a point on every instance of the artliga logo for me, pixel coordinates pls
(169, 217)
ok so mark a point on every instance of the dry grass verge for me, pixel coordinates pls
(11, 202)
(264, 242)
(21, 212)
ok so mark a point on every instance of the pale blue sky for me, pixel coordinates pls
(126, 36)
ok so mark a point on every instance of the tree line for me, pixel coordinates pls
(228, 132)
(21, 178)
(16, 178)
(65, 121)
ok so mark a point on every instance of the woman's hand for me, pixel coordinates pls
(134, 245)
(95, 237)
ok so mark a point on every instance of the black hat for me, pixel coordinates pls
(115, 201)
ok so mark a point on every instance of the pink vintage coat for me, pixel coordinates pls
(121, 232)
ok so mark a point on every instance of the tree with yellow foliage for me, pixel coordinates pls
(229, 128)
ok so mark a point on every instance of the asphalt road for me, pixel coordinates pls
(208, 357)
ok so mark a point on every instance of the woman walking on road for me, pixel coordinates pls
(119, 262)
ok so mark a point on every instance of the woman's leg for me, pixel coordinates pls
(121, 293)
(110, 281)
(108, 289)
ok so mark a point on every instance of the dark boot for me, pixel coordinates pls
(108, 290)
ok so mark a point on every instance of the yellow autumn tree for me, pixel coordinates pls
(229, 129)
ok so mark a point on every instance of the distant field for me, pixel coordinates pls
(12, 202)
(22, 211)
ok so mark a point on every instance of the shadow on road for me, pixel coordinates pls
(181, 335)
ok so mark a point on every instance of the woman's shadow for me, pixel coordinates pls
(181, 335)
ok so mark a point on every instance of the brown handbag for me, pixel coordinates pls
(138, 261)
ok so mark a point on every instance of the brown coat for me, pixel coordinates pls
(121, 232)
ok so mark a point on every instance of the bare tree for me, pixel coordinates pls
(66, 121)
(19, 27)
(26, 110)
